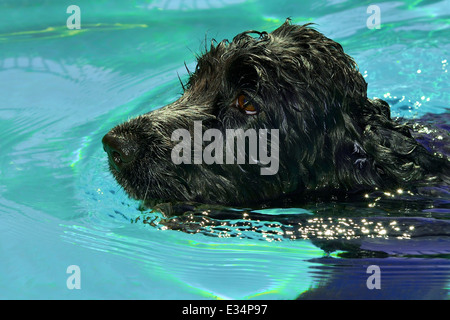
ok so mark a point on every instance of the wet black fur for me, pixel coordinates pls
(332, 137)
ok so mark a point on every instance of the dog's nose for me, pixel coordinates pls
(119, 149)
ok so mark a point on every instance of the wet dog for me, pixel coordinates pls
(297, 105)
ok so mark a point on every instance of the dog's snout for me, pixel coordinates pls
(120, 150)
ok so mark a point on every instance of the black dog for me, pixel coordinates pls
(331, 137)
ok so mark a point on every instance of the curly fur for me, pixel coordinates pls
(332, 137)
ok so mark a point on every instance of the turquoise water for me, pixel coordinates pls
(62, 90)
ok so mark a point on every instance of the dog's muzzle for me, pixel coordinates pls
(121, 151)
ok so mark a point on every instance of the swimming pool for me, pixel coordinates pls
(63, 89)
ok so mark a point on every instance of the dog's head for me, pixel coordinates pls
(299, 100)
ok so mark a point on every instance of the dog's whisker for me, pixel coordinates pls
(146, 190)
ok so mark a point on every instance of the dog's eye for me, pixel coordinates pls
(245, 105)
